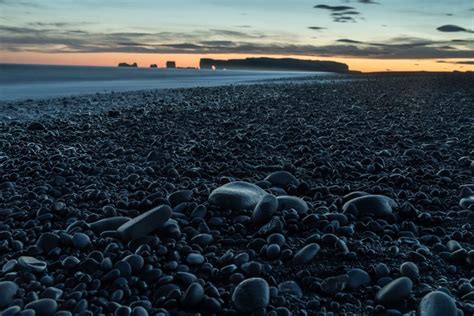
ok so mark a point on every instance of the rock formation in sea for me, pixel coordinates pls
(134, 65)
(170, 64)
(265, 63)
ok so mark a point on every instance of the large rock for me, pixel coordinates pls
(287, 202)
(251, 294)
(437, 303)
(237, 195)
(377, 206)
(264, 209)
(145, 223)
(111, 223)
(395, 291)
(282, 179)
(8, 290)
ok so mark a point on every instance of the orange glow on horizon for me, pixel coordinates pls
(192, 60)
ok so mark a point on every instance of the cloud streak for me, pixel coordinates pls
(219, 41)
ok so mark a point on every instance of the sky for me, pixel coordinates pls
(368, 35)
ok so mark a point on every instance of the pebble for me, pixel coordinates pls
(358, 278)
(47, 241)
(238, 195)
(193, 295)
(282, 179)
(410, 269)
(43, 307)
(145, 223)
(395, 291)
(292, 202)
(378, 206)
(8, 290)
(32, 264)
(251, 294)
(306, 254)
(466, 202)
(264, 209)
(437, 303)
(81, 241)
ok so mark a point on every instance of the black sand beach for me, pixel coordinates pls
(354, 196)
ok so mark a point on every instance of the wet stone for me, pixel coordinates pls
(237, 195)
(251, 294)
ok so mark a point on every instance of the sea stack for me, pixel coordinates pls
(125, 65)
(170, 64)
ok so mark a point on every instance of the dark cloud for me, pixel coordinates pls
(336, 8)
(218, 41)
(316, 28)
(340, 14)
(452, 28)
(368, 2)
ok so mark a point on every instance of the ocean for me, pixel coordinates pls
(21, 82)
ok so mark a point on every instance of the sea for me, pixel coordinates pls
(26, 82)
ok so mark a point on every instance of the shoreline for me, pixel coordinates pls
(404, 143)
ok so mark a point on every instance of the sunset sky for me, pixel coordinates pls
(368, 35)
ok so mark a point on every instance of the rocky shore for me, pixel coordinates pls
(350, 197)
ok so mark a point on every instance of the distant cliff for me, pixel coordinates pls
(274, 64)
(134, 65)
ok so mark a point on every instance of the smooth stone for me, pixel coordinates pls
(8, 290)
(145, 223)
(437, 303)
(43, 307)
(81, 241)
(11, 311)
(290, 288)
(52, 293)
(139, 311)
(282, 179)
(195, 259)
(464, 203)
(178, 197)
(193, 295)
(32, 264)
(136, 262)
(306, 254)
(47, 241)
(358, 278)
(237, 195)
(202, 239)
(378, 206)
(395, 291)
(265, 209)
(111, 223)
(251, 294)
(409, 269)
(286, 202)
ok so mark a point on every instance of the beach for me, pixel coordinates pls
(352, 194)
